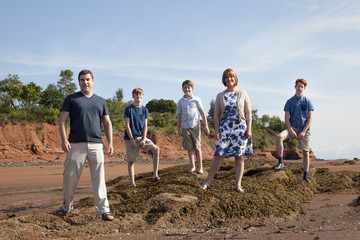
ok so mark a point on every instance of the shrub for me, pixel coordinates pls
(45, 114)
(161, 106)
(20, 115)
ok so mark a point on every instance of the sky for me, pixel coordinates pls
(157, 44)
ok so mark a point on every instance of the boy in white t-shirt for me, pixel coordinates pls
(189, 110)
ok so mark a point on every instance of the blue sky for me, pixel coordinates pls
(157, 44)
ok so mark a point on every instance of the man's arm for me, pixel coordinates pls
(109, 133)
(203, 116)
(65, 145)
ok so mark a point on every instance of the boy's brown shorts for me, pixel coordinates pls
(191, 138)
(304, 143)
(132, 153)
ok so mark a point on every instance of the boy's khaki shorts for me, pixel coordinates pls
(132, 153)
(304, 143)
(191, 138)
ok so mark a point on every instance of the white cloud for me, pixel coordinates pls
(293, 39)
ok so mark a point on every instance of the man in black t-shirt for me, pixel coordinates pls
(86, 111)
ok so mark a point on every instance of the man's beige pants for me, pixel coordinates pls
(73, 166)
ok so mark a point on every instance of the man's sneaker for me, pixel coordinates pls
(307, 180)
(107, 216)
(278, 166)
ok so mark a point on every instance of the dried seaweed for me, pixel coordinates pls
(262, 198)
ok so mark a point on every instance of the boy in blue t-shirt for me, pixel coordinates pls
(298, 116)
(136, 117)
(189, 110)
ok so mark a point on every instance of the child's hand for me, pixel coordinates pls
(207, 130)
(133, 143)
(142, 143)
(301, 135)
(293, 133)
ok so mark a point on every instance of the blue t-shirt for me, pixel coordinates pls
(85, 117)
(299, 108)
(137, 117)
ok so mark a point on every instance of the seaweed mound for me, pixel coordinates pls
(177, 199)
(177, 202)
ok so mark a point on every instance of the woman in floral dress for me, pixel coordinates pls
(232, 122)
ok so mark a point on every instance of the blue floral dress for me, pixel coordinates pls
(232, 131)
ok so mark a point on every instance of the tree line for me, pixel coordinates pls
(30, 103)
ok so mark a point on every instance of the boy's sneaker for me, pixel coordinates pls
(278, 166)
(307, 180)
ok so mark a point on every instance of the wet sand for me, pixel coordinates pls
(30, 189)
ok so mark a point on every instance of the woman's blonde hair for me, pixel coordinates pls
(229, 71)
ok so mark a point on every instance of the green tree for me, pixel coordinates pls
(276, 124)
(211, 110)
(52, 97)
(119, 95)
(10, 89)
(65, 84)
(152, 105)
(116, 113)
(30, 95)
(161, 106)
(265, 120)
(256, 123)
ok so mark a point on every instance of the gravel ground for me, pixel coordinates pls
(141, 160)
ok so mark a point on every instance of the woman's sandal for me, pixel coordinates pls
(239, 188)
(205, 186)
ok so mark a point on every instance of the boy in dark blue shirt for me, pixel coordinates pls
(298, 117)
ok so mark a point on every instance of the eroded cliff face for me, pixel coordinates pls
(41, 142)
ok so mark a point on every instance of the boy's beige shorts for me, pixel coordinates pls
(132, 153)
(304, 143)
(191, 138)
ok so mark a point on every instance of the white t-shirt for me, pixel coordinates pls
(189, 108)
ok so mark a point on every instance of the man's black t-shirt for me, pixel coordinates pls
(85, 117)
